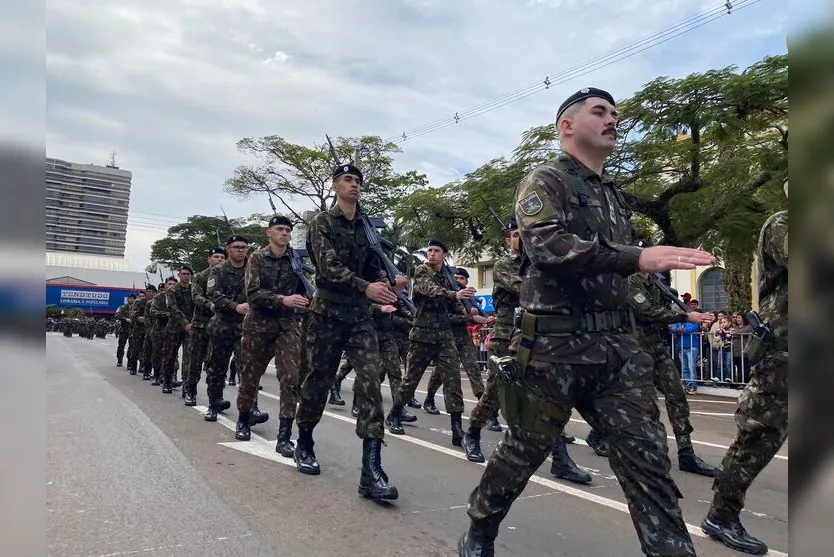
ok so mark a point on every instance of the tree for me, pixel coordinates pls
(190, 242)
(702, 158)
(300, 177)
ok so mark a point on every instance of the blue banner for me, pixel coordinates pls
(485, 302)
(98, 299)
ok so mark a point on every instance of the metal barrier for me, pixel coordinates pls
(698, 360)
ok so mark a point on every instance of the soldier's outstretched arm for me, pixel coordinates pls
(328, 265)
(541, 211)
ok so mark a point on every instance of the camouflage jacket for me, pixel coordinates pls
(159, 311)
(652, 311)
(772, 270)
(137, 312)
(436, 304)
(149, 318)
(506, 284)
(124, 312)
(268, 280)
(180, 307)
(202, 304)
(576, 237)
(226, 288)
(345, 266)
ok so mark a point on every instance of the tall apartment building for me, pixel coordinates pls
(86, 208)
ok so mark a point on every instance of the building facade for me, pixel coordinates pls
(86, 208)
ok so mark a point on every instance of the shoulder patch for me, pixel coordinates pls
(211, 282)
(639, 298)
(531, 204)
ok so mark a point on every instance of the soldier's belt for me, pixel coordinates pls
(621, 320)
(340, 298)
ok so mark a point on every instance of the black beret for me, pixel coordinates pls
(347, 169)
(219, 249)
(236, 238)
(460, 271)
(132, 295)
(512, 225)
(280, 219)
(439, 244)
(169, 279)
(161, 285)
(580, 96)
(187, 268)
(150, 287)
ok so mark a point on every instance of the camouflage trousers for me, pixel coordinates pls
(170, 351)
(469, 360)
(444, 354)
(158, 336)
(489, 403)
(326, 339)
(667, 379)
(124, 334)
(197, 356)
(391, 366)
(619, 401)
(281, 340)
(224, 340)
(134, 349)
(147, 350)
(762, 420)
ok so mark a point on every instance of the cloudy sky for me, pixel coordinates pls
(173, 84)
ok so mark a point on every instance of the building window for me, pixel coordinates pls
(711, 293)
(487, 277)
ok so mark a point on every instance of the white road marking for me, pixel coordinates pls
(714, 414)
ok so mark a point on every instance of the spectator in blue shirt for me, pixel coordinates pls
(688, 339)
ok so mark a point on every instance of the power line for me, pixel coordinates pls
(660, 37)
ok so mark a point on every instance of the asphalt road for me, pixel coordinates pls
(131, 471)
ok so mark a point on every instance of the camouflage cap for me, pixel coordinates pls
(581, 95)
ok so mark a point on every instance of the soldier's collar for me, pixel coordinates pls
(584, 171)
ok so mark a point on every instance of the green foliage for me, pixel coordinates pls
(190, 242)
(300, 177)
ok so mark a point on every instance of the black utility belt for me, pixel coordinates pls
(579, 322)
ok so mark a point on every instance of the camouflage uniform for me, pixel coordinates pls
(340, 320)
(198, 354)
(160, 314)
(468, 358)
(762, 414)
(147, 346)
(270, 330)
(387, 326)
(226, 288)
(122, 315)
(505, 299)
(181, 311)
(137, 332)
(575, 230)
(431, 339)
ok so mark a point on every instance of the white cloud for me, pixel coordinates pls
(175, 83)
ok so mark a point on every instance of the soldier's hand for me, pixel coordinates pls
(658, 259)
(465, 294)
(242, 309)
(211, 306)
(700, 318)
(388, 308)
(402, 282)
(296, 301)
(380, 293)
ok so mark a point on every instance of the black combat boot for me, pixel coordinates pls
(393, 422)
(118, 363)
(257, 417)
(406, 416)
(336, 394)
(354, 409)
(731, 533)
(472, 445)
(373, 483)
(223, 405)
(242, 432)
(166, 387)
(493, 424)
(688, 461)
(131, 370)
(457, 429)
(476, 544)
(285, 447)
(211, 414)
(413, 403)
(157, 379)
(597, 443)
(304, 456)
(146, 373)
(563, 465)
(190, 395)
(569, 439)
(429, 407)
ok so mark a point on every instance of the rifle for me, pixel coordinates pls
(501, 223)
(376, 243)
(659, 281)
(298, 266)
